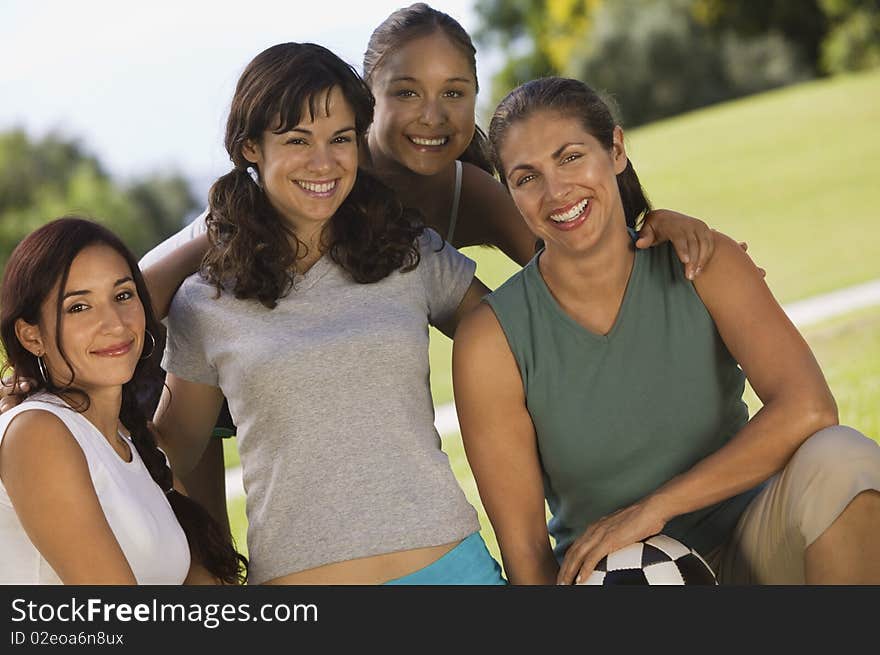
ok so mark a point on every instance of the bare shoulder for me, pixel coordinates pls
(478, 326)
(483, 190)
(488, 216)
(480, 345)
(38, 441)
(728, 255)
(484, 198)
(38, 428)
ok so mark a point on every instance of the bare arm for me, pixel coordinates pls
(185, 418)
(785, 375)
(47, 478)
(469, 301)
(164, 276)
(488, 216)
(501, 446)
(781, 369)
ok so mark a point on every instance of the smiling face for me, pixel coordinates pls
(102, 323)
(308, 171)
(563, 181)
(425, 101)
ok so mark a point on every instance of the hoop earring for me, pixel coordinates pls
(42, 367)
(152, 347)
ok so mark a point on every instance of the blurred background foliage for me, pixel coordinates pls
(42, 179)
(659, 59)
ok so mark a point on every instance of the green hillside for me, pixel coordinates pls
(792, 172)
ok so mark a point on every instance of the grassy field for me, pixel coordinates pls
(792, 172)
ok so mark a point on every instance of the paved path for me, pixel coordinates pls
(802, 313)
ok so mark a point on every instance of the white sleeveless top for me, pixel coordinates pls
(136, 509)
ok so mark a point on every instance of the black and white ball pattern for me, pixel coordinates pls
(657, 560)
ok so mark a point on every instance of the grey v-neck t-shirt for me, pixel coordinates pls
(330, 393)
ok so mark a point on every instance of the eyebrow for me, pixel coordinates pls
(406, 78)
(553, 155)
(303, 130)
(85, 292)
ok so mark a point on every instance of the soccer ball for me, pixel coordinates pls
(657, 560)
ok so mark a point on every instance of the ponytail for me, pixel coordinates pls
(250, 254)
(635, 201)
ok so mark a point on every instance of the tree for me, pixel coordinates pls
(538, 37)
(803, 23)
(833, 35)
(853, 40)
(658, 60)
(54, 176)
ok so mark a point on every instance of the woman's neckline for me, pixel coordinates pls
(568, 319)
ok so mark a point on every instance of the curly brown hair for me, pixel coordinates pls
(370, 236)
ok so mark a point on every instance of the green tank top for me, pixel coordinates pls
(618, 415)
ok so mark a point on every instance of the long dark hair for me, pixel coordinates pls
(574, 99)
(414, 22)
(40, 261)
(371, 233)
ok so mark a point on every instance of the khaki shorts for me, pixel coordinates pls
(796, 506)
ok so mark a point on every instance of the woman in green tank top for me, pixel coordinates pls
(616, 384)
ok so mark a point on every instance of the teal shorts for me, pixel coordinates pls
(469, 563)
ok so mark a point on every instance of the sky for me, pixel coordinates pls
(146, 86)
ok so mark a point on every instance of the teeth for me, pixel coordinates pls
(317, 188)
(419, 141)
(571, 213)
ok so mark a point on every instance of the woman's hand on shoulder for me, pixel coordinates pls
(47, 477)
(610, 533)
(693, 240)
(165, 276)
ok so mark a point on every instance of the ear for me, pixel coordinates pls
(618, 151)
(30, 337)
(251, 151)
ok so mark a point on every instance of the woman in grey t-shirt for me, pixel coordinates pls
(310, 315)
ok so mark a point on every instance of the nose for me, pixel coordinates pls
(111, 320)
(556, 186)
(433, 113)
(320, 159)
